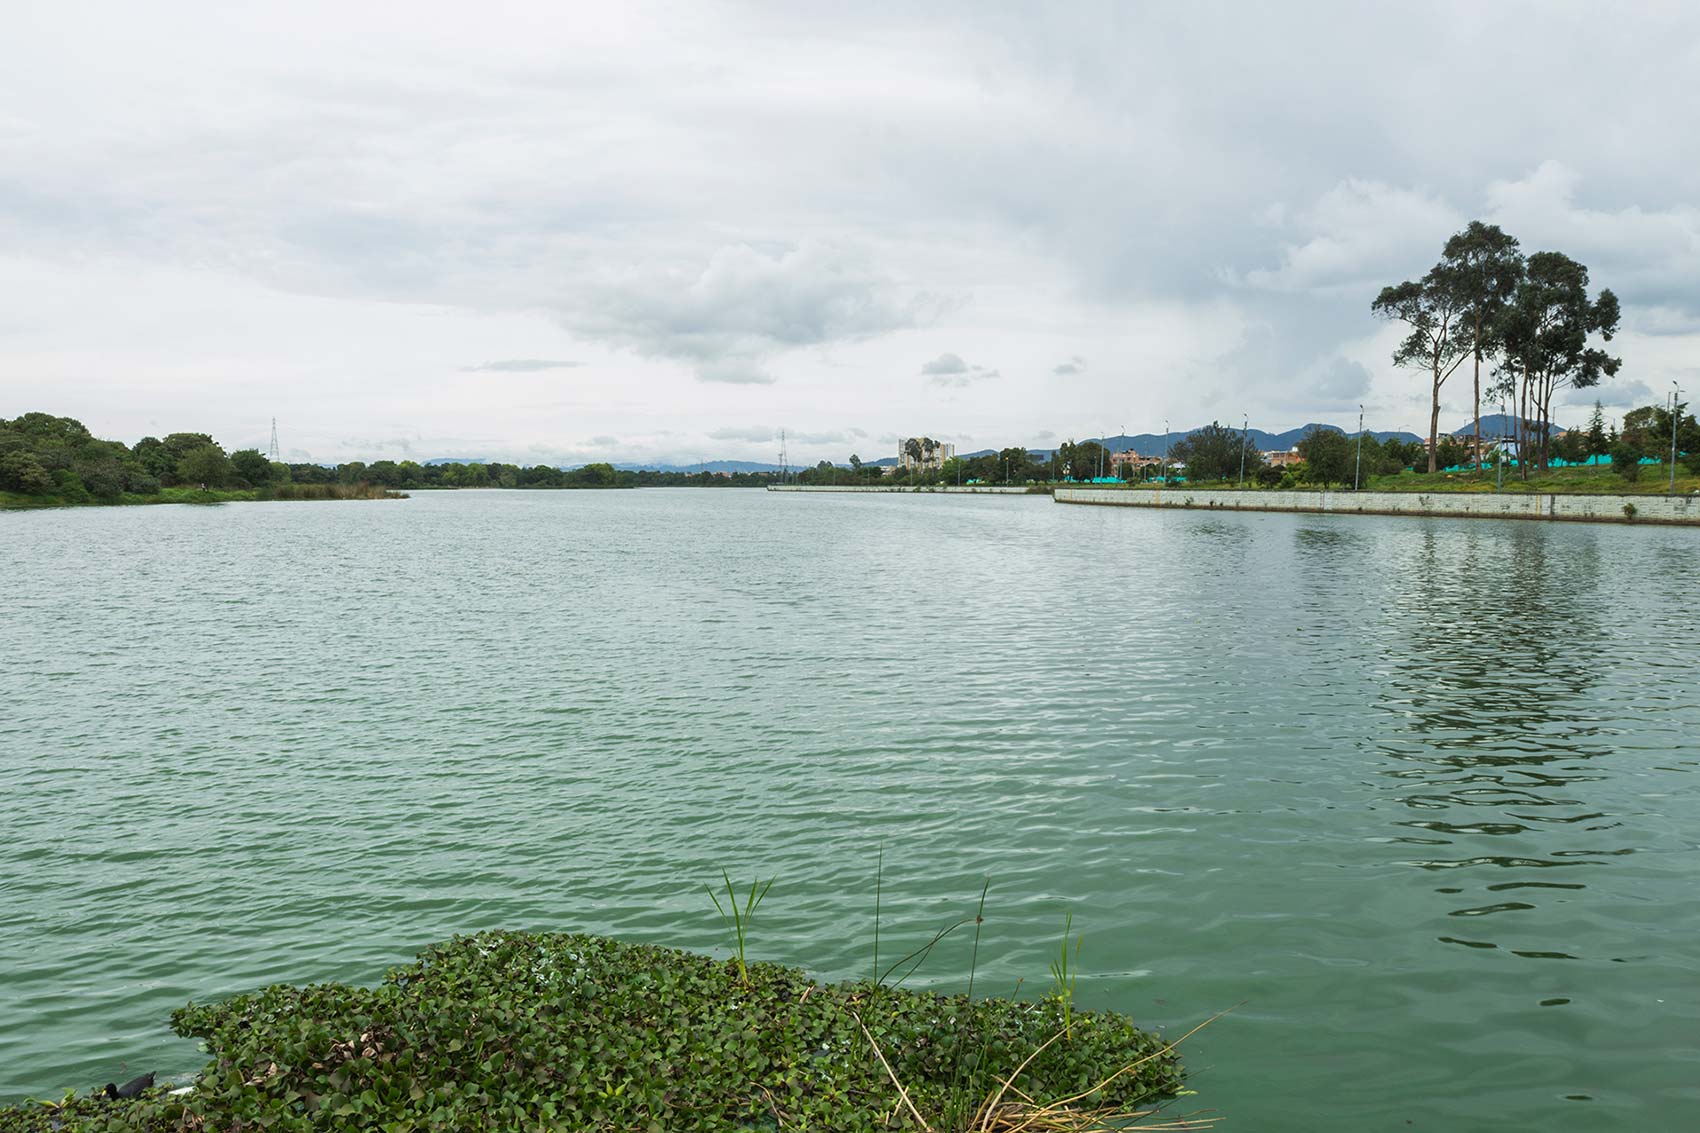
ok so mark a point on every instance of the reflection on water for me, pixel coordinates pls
(1492, 740)
(1354, 772)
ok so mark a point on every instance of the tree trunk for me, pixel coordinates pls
(1523, 422)
(1476, 453)
(1434, 425)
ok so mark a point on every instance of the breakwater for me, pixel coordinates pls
(1471, 505)
(965, 489)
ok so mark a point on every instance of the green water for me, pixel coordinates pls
(1418, 795)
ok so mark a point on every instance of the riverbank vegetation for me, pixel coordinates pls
(48, 461)
(565, 1031)
(1530, 317)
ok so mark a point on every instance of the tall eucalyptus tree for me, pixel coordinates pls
(1483, 265)
(1547, 330)
(1439, 340)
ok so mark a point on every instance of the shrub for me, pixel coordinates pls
(1626, 460)
(516, 1031)
(22, 472)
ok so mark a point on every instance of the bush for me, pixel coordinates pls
(22, 472)
(68, 486)
(1626, 460)
(1692, 462)
(516, 1031)
(1268, 477)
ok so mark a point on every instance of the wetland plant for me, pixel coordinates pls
(737, 917)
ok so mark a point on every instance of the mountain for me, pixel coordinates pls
(1153, 444)
(1497, 425)
(706, 466)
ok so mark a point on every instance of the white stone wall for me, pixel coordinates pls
(1481, 505)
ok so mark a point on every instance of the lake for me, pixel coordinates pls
(1416, 797)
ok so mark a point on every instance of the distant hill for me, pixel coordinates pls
(1152, 444)
(1497, 425)
(705, 466)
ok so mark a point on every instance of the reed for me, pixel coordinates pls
(737, 917)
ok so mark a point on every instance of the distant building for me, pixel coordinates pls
(1131, 459)
(1282, 458)
(932, 456)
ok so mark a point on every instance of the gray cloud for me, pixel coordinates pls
(520, 366)
(1021, 181)
(754, 434)
(744, 304)
(948, 369)
(945, 364)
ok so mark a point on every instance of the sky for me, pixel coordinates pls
(560, 232)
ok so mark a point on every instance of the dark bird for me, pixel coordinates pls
(131, 1089)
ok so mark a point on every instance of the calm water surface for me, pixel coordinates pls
(1419, 794)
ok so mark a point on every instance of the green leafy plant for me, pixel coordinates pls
(737, 917)
(1063, 972)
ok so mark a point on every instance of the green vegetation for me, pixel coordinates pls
(1484, 300)
(48, 461)
(568, 1032)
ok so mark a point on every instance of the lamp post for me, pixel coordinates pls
(1675, 408)
(1357, 469)
(1165, 476)
(1245, 432)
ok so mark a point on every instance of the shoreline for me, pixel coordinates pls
(1560, 507)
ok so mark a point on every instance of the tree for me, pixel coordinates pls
(1327, 455)
(855, 464)
(1571, 447)
(1626, 459)
(205, 465)
(598, 475)
(1546, 330)
(251, 465)
(1482, 266)
(1015, 466)
(20, 471)
(1083, 460)
(1597, 431)
(1214, 452)
(1439, 338)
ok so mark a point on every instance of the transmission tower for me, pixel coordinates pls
(784, 464)
(271, 453)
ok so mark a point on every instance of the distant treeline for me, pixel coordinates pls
(57, 460)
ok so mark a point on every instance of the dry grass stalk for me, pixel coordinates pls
(997, 1116)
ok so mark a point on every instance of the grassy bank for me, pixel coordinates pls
(570, 1032)
(1653, 480)
(206, 496)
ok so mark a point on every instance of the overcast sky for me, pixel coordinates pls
(558, 232)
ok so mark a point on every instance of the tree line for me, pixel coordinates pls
(57, 458)
(1529, 317)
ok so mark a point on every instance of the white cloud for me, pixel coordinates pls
(728, 214)
(1359, 235)
(520, 366)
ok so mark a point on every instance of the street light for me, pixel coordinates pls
(1165, 476)
(1245, 431)
(1358, 468)
(1675, 407)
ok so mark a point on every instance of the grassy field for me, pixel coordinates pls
(1654, 480)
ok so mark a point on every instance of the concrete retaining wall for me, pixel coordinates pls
(966, 489)
(1476, 505)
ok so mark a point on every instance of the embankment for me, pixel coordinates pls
(1683, 510)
